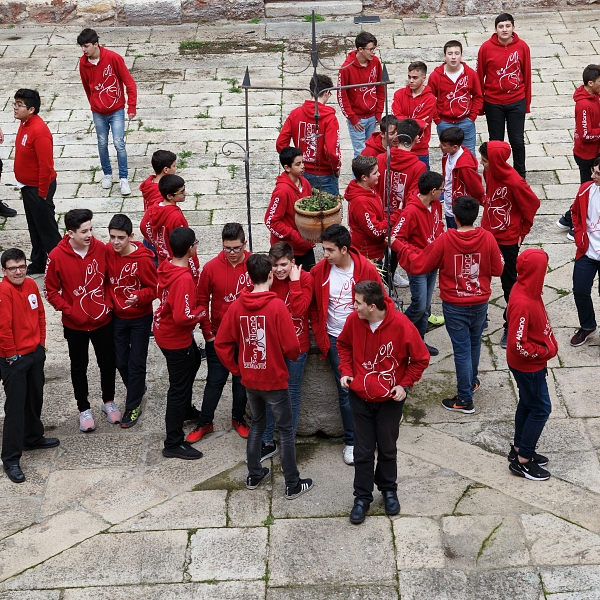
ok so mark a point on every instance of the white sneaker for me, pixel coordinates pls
(107, 182)
(125, 189)
(349, 455)
(113, 414)
(399, 281)
(86, 421)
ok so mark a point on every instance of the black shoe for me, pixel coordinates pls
(485, 323)
(7, 211)
(564, 224)
(130, 417)
(455, 405)
(392, 505)
(432, 351)
(359, 511)
(571, 235)
(14, 473)
(529, 470)
(253, 482)
(184, 451)
(581, 336)
(542, 461)
(476, 385)
(202, 352)
(33, 270)
(504, 340)
(192, 414)
(303, 486)
(268, 450)
(43, 444)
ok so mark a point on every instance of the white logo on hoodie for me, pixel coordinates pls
(254, 341)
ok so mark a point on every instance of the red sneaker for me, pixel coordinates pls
(198, 432)
(241, 427)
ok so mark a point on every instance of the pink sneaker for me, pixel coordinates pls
(113, 415)
(86, 421)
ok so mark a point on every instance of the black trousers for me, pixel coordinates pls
(585, 174)
(513, 117)
(23, 383)
(102, 341)
(41, 223)
(306, 260)
(509, 274)
(182, 366)
(376, 427)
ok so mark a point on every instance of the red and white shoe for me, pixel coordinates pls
(113, 414)
(86, 421)
(241, 427)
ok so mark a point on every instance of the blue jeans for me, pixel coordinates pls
(153, 250)
(343, 399)
(421, 292)
(533, 409)
(450, 223)
(424, 159)
(116, 123)
(359, 138)
(465, 325)
(296, 373)
(584, 272)
(325, 183)
(468, 127)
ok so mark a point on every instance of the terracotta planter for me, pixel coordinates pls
(312, 224)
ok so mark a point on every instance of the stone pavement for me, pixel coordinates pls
(106, 517)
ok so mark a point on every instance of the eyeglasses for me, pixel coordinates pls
(371, 50)
(15, 269)
(233, 249)
(196, 242)
(180, 193)
(19, 105)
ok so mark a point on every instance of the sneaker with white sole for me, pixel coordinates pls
(530, 470)
(399, 281)
(125, 189)
(113, 414)
(304, 485)
(107, 182)
(349, 455)
(86, 421)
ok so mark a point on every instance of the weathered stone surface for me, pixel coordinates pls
(342, 592)
(13, 11)
(31, 595)
(570, 579)
(285, 10)
(152, 12)
(96, 9)
(418, 544)
(247, 508)
(51, 11)
(202, 10)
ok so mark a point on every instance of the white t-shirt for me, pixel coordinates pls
(94, 62)
(375, 325)
(81, 253)
(454, 76)
(341, 284)
(593, 223)
(450, 164)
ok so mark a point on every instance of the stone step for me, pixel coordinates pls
(321, 7)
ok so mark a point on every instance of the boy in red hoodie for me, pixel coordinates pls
(509, 210)
(132, 287)
(416, 101)
(531, 344)
(362, 106)
(458, 91)
(259, 328)
(322, 155)
(504, 70)
(76, 285)
(174, 322)
(467, 258)
(381, 358)
(104, 76)
(280, 215)
(377, 143)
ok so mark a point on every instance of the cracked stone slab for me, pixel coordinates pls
(418, 544)
(485, 501)
(430, 496)
(571, 579)
(31, 595)
(17, 513)
(106, 450)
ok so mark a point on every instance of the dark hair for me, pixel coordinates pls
(122, 223)
(591, 73)
(259, 266)
(288, 155)
(407, 129)
(233, 232)
(364, 38)
(181, 240)
(87, 36)
(323, 82)
(363, 165)
(597, 162)
(338, 235)
(372, 293)
(281, 250)
(162, 159)
(30, 98)
(465, 209)
(12, 254)
(75, 218)
(453, 44)
(387, 122)
(418, 65)
(483, 150)
(452, 135)
(430, 180)
(169, 184)
(504, 17)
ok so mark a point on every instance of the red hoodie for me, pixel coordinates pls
(374, 147)
(406, 169)
(297, 296)
(22, 318)
(458, 100)
(467, 261)
(131, 275)
(366, 221)
(220, 285)
(34, 162)
(509, 204)
(103, 83)
(78, 287)
(579, 213)
(157, 224)
(280, 214)
(150, 192)
(394, 354)
(259, 324)
(363, 271)
(505, 71)
(422, 109)
(322, 155)
(466, 181)
(587, 124)
(363, 102)
(178, 314)
(531, 342)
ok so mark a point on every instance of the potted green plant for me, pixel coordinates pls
(316, 213)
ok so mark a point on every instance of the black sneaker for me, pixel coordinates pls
(303, 486)
(542, 461)
(456, 406)
(192, 414)
(504, 340)
(130, 417)
(7, 211)
(571, 235)
(268, 450)
(564, 224)
(476, 385)
(529, 470)
(183, 451)
(432, 351)
(253, 482)
(581, 336)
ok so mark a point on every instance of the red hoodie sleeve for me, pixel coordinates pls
(527, 76)
(129, 83)
(226, 342)
(43, 150)
(301, 294)
(331, 147)
(42, 318)
(52, 287)
(418, 356)
(285, 136)
(7, 338)
(149, 280)
(518, 327)
(529, 204)
(344, 348)
(182, 298)
(84, 79)
(476, 96)
(380, 93)
(472, 180)
(429, 259)
(433, 82)
(203, 299)
(481, 66)
(496, 258)
(288, 339)
(365, 214)
(342, 97)
(584, 127)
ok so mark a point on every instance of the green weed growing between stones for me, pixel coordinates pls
(318, 18)
(182, 162)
